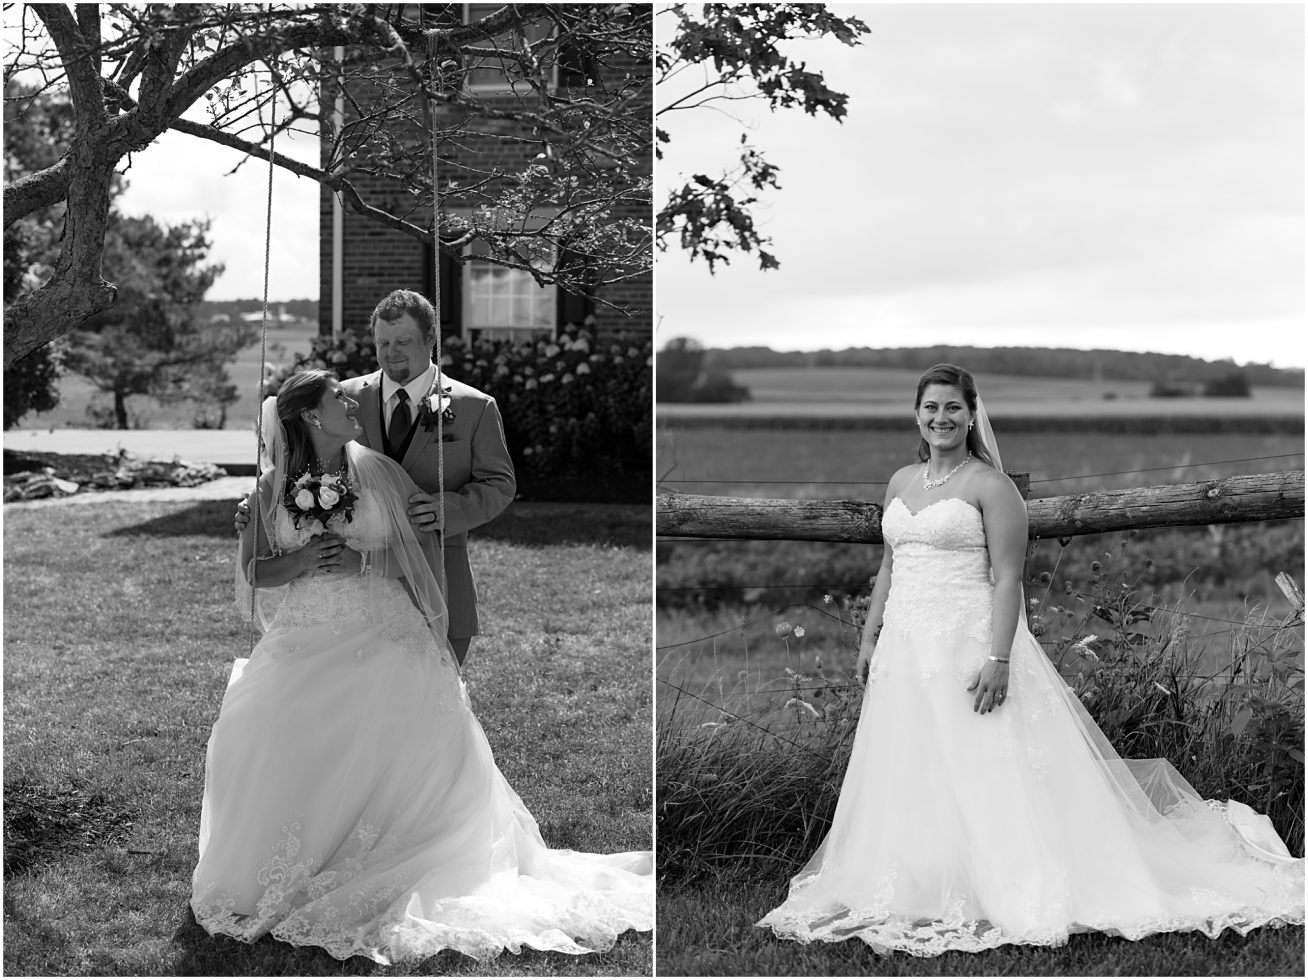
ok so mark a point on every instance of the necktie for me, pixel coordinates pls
(398, 430)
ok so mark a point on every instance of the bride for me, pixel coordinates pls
(982, 806)
(351, 801)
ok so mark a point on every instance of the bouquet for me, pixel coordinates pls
(322, 498)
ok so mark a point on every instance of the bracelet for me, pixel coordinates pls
(998, 660)
(364, 563)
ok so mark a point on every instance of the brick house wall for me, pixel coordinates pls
(377, 259)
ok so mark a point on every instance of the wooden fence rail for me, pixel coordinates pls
(1234, 499)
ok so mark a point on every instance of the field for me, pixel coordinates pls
(76, 393)
(756, 641)
(119, 637)
(878, 392)
(837, 463)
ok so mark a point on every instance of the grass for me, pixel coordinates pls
(119, 636)
(839, 463)
(707, 930)
(746, 794)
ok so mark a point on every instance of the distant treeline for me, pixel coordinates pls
(1045, 362)
(303, 309)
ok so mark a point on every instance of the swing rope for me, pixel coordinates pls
(432, 46)
(263, 357)
(434, 66)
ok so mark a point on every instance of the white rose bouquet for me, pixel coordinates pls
(323, 498)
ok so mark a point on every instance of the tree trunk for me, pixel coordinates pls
(120, 409)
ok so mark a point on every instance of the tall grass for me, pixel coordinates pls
(751, 783)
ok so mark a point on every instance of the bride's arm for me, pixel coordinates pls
(264, 570)
(1003, 512)
(876, 607)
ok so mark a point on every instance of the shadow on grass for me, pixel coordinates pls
(531, 525)
(40, 823)
(205, 518)
(541, 525)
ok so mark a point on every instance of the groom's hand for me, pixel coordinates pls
(424, 513)
(242, 515)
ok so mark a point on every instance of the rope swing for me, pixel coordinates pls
(263, 356)
(430, 105)
(430, 101)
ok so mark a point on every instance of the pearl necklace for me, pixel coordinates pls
(934, 484)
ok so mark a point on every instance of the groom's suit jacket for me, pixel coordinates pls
(479, 481)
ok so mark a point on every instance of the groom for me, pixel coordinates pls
(479, 481)
(395, 412)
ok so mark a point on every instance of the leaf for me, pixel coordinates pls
(1241, 720)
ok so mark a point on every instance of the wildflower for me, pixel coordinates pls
(783, 628)
(799, 703)
(1149, 564)
(1034, 602)
(799, 632)
(583, 368)
(1096, 567)
(827, 598)
(1067, 587)
(1044, 578)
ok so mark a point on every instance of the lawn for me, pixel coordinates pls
(707, 930)
(119, 635)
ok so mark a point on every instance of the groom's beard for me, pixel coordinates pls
(404, 373)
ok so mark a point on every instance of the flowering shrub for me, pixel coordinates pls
(577, 411)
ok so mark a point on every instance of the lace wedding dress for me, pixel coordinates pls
(962, 831)
(351, 801)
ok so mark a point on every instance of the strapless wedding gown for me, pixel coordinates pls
(961, 831)
(351, 801)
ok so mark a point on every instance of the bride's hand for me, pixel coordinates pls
(991, 686)
(322, 555)
(864, 662)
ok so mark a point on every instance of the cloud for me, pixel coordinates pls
(1031, 168)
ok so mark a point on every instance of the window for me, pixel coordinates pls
(501, 303)
(492, 74)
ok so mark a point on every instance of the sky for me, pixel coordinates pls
(181, 177)
(1099, 175)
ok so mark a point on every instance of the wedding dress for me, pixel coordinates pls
(351, 800)
(962, 831)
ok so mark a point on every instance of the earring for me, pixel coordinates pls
(317, 423)
(970, 423)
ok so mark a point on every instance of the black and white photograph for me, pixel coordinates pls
(979, 461)
(328, 545)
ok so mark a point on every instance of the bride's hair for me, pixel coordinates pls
(300, 392)
(960, 378)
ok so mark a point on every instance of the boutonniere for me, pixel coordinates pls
(436, 404)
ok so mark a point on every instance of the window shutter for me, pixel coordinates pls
(572, 308)
(450, 304)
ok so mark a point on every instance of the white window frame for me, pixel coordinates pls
(549, 295)
(501, 83)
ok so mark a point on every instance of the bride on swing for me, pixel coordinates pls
(351, 800)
